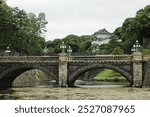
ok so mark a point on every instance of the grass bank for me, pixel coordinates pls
(109, 75)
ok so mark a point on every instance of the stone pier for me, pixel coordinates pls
(63, 69)
(137, 69)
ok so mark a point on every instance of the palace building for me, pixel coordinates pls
(101, 37)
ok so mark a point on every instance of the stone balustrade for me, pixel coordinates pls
(28, 58)
(146, 58)
(103, 57)
(56, 58)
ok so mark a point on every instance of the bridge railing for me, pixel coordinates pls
(56, 58)
(103, 57)
(146, 58)
(28, 58)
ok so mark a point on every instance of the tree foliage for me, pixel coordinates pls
(21, 31)
(79, 44)
(135, 28)
(117, 51)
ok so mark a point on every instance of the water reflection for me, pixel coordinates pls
(81, 92)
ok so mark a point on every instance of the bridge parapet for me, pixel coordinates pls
(28, 58)
(146, 58)
(103, 57)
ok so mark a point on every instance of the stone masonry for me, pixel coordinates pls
(66, 69)
(137, 69)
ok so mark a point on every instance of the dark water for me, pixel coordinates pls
(83, 91)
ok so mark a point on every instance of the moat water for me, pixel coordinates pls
(88, 91)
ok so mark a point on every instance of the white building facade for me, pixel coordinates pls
(101, 37)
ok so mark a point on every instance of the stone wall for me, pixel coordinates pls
(30, 77)
(146, 82)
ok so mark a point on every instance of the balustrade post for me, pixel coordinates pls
(137, 69)
(63, 69)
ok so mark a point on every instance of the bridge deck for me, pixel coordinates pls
(103, 57)
(29, 58)
(70, 58)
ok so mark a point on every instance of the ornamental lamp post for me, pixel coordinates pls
(8, 50)
(136, 47)
(69, 50)
(63, 47)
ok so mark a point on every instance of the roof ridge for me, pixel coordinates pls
(102, 31)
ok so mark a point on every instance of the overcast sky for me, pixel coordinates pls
(81, 17)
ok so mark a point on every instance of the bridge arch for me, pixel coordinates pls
(75, 75)
(10, 74)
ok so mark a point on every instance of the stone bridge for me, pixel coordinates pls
(66, 69)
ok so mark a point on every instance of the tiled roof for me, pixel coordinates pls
(102, 31)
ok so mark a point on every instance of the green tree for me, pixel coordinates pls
(135, 28)
(79, 44)
(105, 49)
(21, 31)
(6, 25)
(117, 51)
(85, 43)
(55, 44)
(73, 41)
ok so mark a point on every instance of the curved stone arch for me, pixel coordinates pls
(9, 75)
(75, 75)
